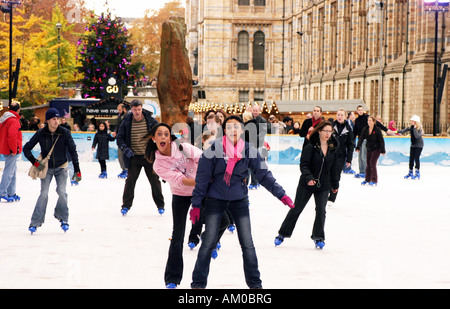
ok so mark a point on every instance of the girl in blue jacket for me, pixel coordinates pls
(222, 179)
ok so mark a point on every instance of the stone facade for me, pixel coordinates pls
(320, 50)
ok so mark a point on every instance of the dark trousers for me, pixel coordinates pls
(341, 163)
(136, 164)
(196, 231)
(174, 266)
(301, 199)
(102, 165)
(414, 157)
(371, 167)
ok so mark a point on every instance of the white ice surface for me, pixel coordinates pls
(396, 235)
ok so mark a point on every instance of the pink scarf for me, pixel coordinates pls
(234, 154)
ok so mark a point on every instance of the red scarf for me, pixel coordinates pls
(233, 153)
(314, 124)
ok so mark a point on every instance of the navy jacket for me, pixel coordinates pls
(46, 139)
(211, 170)
(124, 134)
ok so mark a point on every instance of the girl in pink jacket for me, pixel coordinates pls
(176, 163)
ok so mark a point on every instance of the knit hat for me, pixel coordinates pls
(51, 113)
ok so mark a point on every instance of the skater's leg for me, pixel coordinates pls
(61, 209)
(38, 216)
(133, 174)
(241, 214)
(174, 266)
(318, 232)
(301, 199)
(155, 183)
(213, 214)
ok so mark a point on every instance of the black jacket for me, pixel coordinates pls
(123, 137)
(102, 139)
(344, 133)
(46, 139)
(375, 140)
(315, 166)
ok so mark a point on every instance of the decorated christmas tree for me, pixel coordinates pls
(105, 56)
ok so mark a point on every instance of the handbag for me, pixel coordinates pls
(34, 172)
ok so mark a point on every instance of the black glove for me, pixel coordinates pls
(127, 152)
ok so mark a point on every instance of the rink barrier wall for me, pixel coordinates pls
(286, 149)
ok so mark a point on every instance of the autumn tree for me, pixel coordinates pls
(146, 35)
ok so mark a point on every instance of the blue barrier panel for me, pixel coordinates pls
(286, 149)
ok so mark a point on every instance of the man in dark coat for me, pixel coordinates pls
(130, 140)
(310, 123)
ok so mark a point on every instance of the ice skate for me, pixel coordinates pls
(161, 211)
(32, 229)
(192, 245)
(319, 244)
(372, 184)
(416, 175)
(364, 183)
(279, 240)
(171, 286)
(6, 198)
(103, 175)
(64, 225)
(410, 175)
(124, 211)
(123, 174)
(361, 175)
(231, 228)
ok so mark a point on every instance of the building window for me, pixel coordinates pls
(244, 2)
(260, 2)
(243, 96)
(243, 50)
(258, 51)
(258, 96)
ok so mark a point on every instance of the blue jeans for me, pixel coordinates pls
(61, 209)
(8, 183)
(362, 157)
(214, 210)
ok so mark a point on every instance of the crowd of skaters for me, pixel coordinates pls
(144, 143)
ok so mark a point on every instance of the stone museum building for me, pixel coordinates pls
(301, 51)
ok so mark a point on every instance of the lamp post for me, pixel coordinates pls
(436, 6)
(58, 27)
(237, 90)
(265, 68)
(8, 9)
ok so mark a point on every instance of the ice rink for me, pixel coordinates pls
(393, 236)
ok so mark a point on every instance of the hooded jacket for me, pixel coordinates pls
(10, 134)
(315, 166)
(179, 165)
(210, 181)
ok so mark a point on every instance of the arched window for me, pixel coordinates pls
(243, 50)
(258, 51)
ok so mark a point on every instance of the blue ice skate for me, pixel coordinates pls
(364, 183)
(372, 184)
(64, 225)
(231, 228)
(192, 245)
(73, 183)
(253, 187)
(416, 175)
(15, 197)
(124, 211)
(103, 175)
(360, 175)
(161, 210)
(410, 175)
(123, 174)
(171, 286)
(279, 240)
(32, 229)
(6, 198)
(319, 244)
